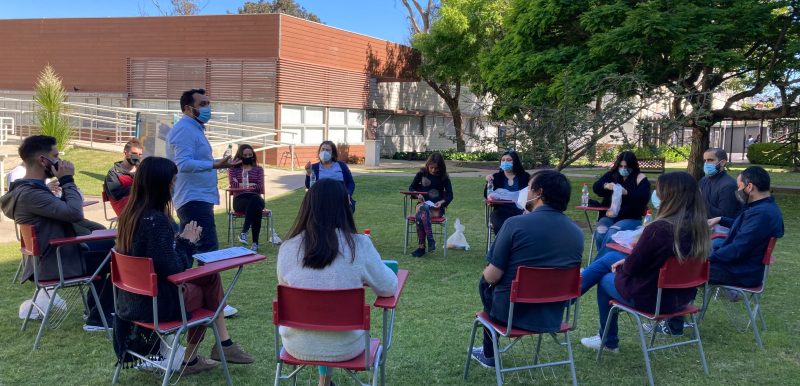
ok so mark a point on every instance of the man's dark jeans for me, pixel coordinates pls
(486, 292)
(203, 214)
(98, 251)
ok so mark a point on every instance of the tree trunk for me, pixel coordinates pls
(700, 141)
(458, 124)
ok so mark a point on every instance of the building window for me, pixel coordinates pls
(256, 113)
(304, 125)
(400, 125)
(346, 126)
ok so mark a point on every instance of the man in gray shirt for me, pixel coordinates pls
(545, 237)
(717, 187)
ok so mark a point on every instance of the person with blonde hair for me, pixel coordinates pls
(680, 229)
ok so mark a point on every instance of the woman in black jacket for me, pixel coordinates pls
(145, 230)
(635, 195)
(512, 177)
(435, 182)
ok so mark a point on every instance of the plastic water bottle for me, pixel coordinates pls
(648, 218)
(313, 179)
(225, 154)
(585, 196)
(489, 188)
(245, 179)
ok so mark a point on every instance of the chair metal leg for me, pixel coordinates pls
(444, 242)
(591, 244)
(605, 332)
(171, 359)
(278, 374)
(99, 309)
(758, 311)
(538, 346)
(294, 378)
(469, 348)
(221, 353)
(405, 240)
(116, 374)
(571, 360)
(19, 269)
(30, 309)
(271, 230)
(752, 319)
(644, 348)
(699, 344)
(46, 316)
(496, 358)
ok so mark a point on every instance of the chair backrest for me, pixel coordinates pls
(134, 274)
(692, 273)
(29, 244)
(768, 259)
(105, 196)
(546, 285)
(318, 309)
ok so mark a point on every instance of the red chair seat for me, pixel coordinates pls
(241, 214)
(355, 364)
(68, 281)
(198, 314)
(516, 332)
(690, 309)
(435, 220)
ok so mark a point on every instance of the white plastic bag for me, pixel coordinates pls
(275, 239)
(504, 195)
(616, 201)
(457, 240)
(720, 229)
(627, 238)
(41, 300)
(164, 350)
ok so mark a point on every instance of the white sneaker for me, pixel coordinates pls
(594, 343)
(228, 311)
(254, 247)
(243, 238)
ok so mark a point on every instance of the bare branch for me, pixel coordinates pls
(414, 26)
(155, 2)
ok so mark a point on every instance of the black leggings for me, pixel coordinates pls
(252, 205)
(499, 216)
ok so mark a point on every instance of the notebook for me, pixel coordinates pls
(223, 254)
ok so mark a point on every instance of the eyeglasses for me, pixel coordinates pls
(509, 152)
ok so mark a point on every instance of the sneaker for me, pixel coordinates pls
(661, 328)
(431, 245)
(254, 247)
(477, 354)
(243, 238)
(732, 296)
(202, 364)
(233, 354)
(94, 324)
(418, 253)
(594, 343)
(229, 311)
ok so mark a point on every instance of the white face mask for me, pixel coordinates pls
(324, 156)
(522, 199)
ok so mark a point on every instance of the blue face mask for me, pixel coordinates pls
(656, 201)
(710, 169)
(624, 172)
(204, 114)
(507, 166)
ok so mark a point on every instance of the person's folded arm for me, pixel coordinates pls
(114, 188)
(641, 256)
(749, 236)
(415, 183)
(726, 222)
(349, 183)
(184, 150)
(599, 186)
(69, 208)
(232, 180)
(170, 256)
(380, 278)
(448, 192)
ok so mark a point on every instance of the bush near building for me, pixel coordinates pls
(449, 155)
(670, 153)
(768, 154)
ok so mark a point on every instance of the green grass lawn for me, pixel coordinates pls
(434, 315)
(91, 168)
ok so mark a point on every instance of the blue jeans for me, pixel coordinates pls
(599, 268)
(203, 214)
(601, 239)
(717, 243)
(606, 291)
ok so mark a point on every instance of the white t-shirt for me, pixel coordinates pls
(15, 174)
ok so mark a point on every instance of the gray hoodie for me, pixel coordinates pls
(29, 202)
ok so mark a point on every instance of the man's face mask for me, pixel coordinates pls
(522, 200)
(133, 159)
(47, 170)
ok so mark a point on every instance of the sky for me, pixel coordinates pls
(383, 19)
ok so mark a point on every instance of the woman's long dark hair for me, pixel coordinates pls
(518, 168)
(325, 210)
(334, 151)
(632, 164)
(436, 158)
(241, 150)
(150, 191)
(682, 206)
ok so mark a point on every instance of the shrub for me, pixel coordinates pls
(50, 96)
(451, 155)
(354, 159)
(768, 154)
(670, 153)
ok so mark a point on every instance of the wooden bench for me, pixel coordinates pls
(653, 165)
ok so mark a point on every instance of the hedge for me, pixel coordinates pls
(671, 153)
(768, 154)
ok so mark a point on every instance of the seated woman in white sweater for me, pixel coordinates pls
(307, 260)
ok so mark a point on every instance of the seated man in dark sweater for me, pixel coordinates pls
(718, 188)
(543, 238)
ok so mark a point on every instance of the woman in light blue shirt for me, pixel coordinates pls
(329, 166)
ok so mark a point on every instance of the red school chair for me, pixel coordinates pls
(591, 245)
(750, 295)
(234, 216)
(534, 286)
(673, 275)
(22, 261)
(325, 310)
(410, 221)
(30, 247)
(112, 220)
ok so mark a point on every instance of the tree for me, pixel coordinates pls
(450, 38)
(693, 49)
(176, 8)
(48, 115)
(287, 7)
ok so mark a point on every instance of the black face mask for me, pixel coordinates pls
(133, 159)
(47, 170)
(248, 160)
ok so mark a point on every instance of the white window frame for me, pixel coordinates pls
(348, 126)
(303, 126)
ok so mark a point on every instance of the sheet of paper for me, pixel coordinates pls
(223, 254)
(430, 203)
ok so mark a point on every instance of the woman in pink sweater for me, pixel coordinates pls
(251, 203)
